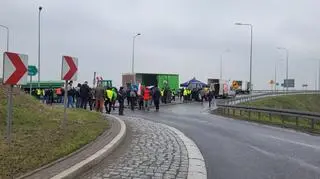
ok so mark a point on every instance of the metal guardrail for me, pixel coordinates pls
(298, 115)
(247, 98)
(283, 91)
(230, 105)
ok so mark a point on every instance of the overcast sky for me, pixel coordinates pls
(178, 36)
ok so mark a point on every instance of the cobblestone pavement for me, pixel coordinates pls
(151, 150)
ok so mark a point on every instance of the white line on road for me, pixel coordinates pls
(295, 160)
(292, 142)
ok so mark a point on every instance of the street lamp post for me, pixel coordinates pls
(275, 76)
(275, 73)
(287, 62)
(5, 27)
(251, 31)
(40, 8)
(134, 38)
(7, 35)
(227, 50)
(319, 76)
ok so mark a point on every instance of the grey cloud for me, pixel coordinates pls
(183, 36)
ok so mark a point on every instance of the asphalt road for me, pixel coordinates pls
(235, 149)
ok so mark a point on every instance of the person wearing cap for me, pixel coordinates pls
(84, 95)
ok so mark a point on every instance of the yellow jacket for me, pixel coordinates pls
(109, 94)
(185, 92)
(38, 92)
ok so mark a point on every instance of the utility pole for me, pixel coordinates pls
(251, 37)
(275, 77)
(319, 77)
(287, 68)
(134, 38)
(40, 8)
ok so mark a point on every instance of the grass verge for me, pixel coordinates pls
(300, 102)
(38, 138)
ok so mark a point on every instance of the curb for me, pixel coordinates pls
(197, 167)
(94, 159)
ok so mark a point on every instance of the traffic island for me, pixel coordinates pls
(37, 136)
(84, 158)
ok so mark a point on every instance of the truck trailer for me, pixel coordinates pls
(241, 87)
(220, 87)
(170, 81)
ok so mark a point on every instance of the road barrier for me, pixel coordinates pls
(253, 113)
(247, 98)
(283, 117)
(283, 91)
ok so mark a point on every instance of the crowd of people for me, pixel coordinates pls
(144, 98)
(197, 94)
(103, 98)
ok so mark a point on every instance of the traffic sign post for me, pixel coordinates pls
(30, 85)
(14, 73)
(32, 71)
(69, 71)
(288, 83)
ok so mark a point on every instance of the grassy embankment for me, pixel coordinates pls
(301, 102)
(37, 136)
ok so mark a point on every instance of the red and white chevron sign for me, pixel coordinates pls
(69, 69)
(15, 68)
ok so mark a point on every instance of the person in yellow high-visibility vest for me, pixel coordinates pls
(189, 94)
(185, 94)
(108, 101)
(162, 93)
(38, 92)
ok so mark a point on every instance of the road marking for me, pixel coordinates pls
(295, 160)
(292, 142)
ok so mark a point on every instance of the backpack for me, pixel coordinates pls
(132, 94)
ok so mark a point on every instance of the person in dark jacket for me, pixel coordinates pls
(77, 95)
(133, 98)
(84, 95)
(165, 96)
(121, 96)
(156, 95)
(70, 94)
(91, 98)
(128, 96)
(210, 97)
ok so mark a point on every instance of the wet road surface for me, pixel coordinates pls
(235, 149)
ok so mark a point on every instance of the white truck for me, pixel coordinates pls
(220, 87)
(241, 87)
